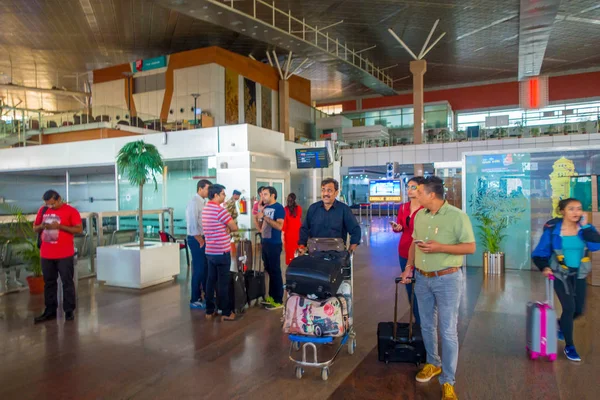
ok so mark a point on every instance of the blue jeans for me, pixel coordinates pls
(198, 268)
(403, 262)
(439, 299)
(271, 255)
(218, 278)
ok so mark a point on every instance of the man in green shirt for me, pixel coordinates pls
(442, 236)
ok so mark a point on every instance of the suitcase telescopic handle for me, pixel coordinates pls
(549, 287)
(395, 328)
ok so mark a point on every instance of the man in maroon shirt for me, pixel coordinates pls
(57, 222)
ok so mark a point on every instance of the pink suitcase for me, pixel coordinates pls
(541, 326)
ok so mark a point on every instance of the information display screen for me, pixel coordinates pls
(312, 158)
(387, 190)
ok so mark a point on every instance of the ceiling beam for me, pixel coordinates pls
(536, 19)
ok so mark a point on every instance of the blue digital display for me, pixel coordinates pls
(312, 158)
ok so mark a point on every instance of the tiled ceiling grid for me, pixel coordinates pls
(48, 41)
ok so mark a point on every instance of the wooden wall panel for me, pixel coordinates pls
(111, 73)
(247, 67)
(80, 136)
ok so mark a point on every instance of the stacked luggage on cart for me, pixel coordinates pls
(319, 304)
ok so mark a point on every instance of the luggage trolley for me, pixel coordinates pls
(301, 342)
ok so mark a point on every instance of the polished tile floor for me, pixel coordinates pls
(150, 345)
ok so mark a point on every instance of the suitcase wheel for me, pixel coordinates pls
(533, 355)
(551, 357)
(325, 373)
(351, 346)
(299, 372)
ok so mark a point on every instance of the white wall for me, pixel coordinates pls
(247, 154)
(301, 118)
(207, 80)
(149, 104)
(111, 94)
(429, 153)
(181, 144)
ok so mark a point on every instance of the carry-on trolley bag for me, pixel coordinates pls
(541, 326)
(401, 342)
(254, 275)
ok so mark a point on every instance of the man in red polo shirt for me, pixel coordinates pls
(57, 222)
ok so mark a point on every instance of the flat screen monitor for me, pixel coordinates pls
(384, 190)
(316, 157)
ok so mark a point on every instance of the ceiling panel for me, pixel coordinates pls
(45, 42)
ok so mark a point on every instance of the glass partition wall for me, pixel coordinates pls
(523, 188)
(174, 188)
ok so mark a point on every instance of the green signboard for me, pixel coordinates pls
(149, 64)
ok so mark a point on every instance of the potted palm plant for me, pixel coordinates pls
(140, 162)
(496, 212)
(138, 265)
(21, 242)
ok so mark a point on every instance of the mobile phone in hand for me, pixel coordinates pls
(419, 241)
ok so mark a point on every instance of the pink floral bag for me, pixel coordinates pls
(316, 317)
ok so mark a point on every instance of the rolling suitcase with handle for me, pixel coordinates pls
(541, 326)
(254, 276)
(401, 342)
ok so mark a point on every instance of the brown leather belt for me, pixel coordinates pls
(442, 272)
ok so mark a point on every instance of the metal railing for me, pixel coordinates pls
(315, 37)
(134, 213)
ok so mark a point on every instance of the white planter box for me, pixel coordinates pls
(125, 265)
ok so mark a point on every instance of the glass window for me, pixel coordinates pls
(436, 119)
(581, 189)
(408, 120)
(528, 186)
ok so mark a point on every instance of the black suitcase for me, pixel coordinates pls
(401, 342)
(318, 274)
(237, 292)
(254, 276)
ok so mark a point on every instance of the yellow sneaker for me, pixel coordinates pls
(448, 392)
(428, 372)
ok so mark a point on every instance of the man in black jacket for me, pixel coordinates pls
(329, 218)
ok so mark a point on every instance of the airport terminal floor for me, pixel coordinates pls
(150, 345)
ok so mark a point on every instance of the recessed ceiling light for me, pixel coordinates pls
(265, 31)
(205, 7)
(255, 26)
(243, 29)
(253, 33)
(220, 12)
(192, 11)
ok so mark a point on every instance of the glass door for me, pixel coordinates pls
(277, 184)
